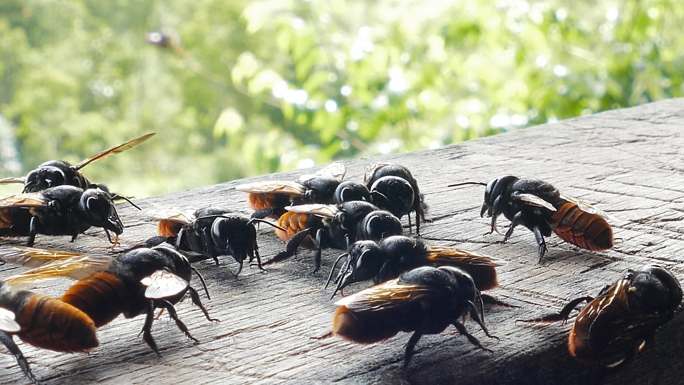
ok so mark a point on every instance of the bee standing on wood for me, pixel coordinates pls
(623, 319)
(43, 322)
(212, 232)
(541, 208)
(333, 226)
(61, 210)
(59, 172)
(269, 198)
(389, 257)
(393, 188)
(132, 284)
(425, 300)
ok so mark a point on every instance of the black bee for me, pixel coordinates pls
(213, 232)
(622, 320)
(59, 172)
(425, 300)
(541, 208)
(393, 188)
(348, 191)
(386, 259)
(131, 284)
(43, 322)
(61, 210)
(332, 226)
(269, 198)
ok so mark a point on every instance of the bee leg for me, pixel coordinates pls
(563, 315)
(291, 247)
(33, 230)
(74, 236)
(320, 238)
(410, 346)
(9, 343)
(147, 328)
(196, 300)
(262, 213)
(408, 216)
(471, 338)
(258, 258)
(517, 220)
(491, 300)
(540, 242)
(174, 316)
(239, 268)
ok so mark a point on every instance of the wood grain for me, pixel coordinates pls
(627, 162)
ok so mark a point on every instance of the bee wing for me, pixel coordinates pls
(386, 296)
(321, 210)
(439, 254)
(587, 207)
(336, 170)
(78, 267)
(169, 222)
(20, 179)
(533, 200)
(370, 170)
(23, 200)
(32, 257)
(114, 150)
(275, 186)
(163, 284)
(7, 322)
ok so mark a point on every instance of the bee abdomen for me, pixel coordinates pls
(363, 328)
(292, 223)
(55, 325)
(583, 229)
(99, 296)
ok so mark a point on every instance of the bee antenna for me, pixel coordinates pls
(467, 183)
(343, 282)
(266, 222)
(332, 269)
(204, 284)
(117, 197)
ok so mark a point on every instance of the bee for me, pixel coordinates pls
(348, 191)
(540, 207)
(393, 188)
(43, 322)
(211, 232)
(60, 172)
(333, 226)
(269, 198)
(388, 258)
(425, 300)
(132, 284)
(622, 320)
(61, 210)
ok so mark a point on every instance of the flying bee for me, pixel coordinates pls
(540, 207)
(333, 226)
(131, 284)
(61, 210)
(43, 322)
(393, 188)
(213, 232)
(622, 320)
(269, 198)
(424, 300)
(59, 172)
(388, 258)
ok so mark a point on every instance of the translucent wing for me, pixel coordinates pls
(23, 200)
(336, 170)
(170, 221)
(163, 284)
(20, 179)
(32, 257)
(7, 322)
(370, 170)
(533, 200)
(321, 210)
(587, 207)
(266, 187)
(73, 268)
(114, 150)
(480, 267)
(386, 296)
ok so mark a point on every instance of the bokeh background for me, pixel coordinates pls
(236, 88)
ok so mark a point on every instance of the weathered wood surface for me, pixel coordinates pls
(628, 162)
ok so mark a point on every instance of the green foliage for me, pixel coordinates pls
(252, 87)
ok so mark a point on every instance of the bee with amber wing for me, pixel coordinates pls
(623, 319)
(322, 226)
(132, 284)
(269, 198)
(210, 233)
(388, 258)
(61, 210)
(425, 300)
(541, 208)
(59, 172)
(393, 188)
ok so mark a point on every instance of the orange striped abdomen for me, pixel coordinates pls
(100, 296)
(583, 229)
(294, 223)
(363, 328)
(55, 325)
